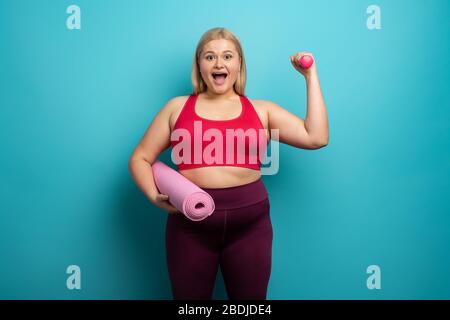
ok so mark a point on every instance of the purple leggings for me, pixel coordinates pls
(237, 236)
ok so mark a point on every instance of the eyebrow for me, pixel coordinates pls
(222, 51)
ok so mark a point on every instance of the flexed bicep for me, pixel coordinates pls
(291, 128)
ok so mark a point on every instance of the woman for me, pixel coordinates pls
(238, 235)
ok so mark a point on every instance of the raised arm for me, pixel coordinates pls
(311, 133)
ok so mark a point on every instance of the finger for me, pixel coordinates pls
(171, 209)
(296, 65)
(167, 207)
(162, 197)
(298, 56)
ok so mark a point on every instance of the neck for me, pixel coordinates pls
(220, 96)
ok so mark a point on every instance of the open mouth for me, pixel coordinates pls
(219, 77)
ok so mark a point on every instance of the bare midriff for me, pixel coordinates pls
(221, 176)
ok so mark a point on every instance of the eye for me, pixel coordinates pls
(208, 57)
(229, 55)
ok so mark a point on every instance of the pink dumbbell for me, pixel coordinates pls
(305, 61)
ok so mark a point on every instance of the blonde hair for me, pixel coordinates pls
(198, 83)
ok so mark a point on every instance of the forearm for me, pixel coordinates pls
(142, 174)
(316, 121)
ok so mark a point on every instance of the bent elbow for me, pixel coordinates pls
(320, 144)
(132, 162)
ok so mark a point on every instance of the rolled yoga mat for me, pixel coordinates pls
(195, 203)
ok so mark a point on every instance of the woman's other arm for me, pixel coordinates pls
(155, 140)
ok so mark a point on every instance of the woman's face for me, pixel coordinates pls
(219, 57)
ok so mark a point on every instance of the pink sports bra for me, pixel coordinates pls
(198, 142)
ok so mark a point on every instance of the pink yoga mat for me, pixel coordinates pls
(193, 202)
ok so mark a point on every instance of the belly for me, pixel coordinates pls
(221, 176)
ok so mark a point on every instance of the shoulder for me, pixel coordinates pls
(263, 109)
(175, 102)
(265, 106)
(174, 107)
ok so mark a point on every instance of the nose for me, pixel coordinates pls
(218, 62)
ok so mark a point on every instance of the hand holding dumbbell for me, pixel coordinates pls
(303, 62)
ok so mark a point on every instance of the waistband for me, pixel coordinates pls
(238, 196)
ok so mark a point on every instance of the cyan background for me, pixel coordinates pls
(74, 104)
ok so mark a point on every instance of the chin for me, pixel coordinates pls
(216, 89)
